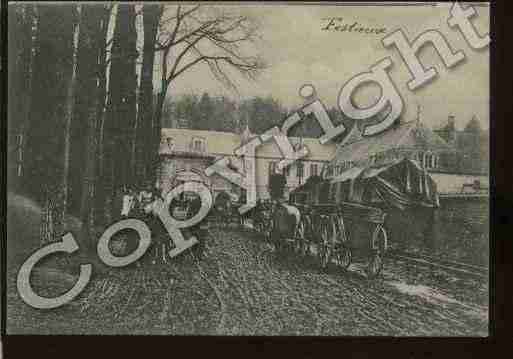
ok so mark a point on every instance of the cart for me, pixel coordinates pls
(343, 232)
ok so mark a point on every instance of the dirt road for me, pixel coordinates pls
(242, 288)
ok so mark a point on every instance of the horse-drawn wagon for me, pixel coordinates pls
(345, 218)
(336, 234)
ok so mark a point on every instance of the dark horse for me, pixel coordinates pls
(261, 216)
(285, 226)
(285, 218)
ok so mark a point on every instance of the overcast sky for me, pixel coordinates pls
(298, 52)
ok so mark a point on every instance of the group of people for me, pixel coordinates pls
(136, 203)
(141, 204)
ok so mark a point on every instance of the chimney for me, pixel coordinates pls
(451, 122)
(451, 128)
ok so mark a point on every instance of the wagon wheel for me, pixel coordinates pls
(375, 265)
(379, 239)
(268, 230)
(341, 229)
(379, 243)
(275, 240)
(299, 237)
(342, 256)
(305, 250)
(327, 233)
(323, 248)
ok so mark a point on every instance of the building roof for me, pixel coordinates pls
(220, 144)
(411, 135)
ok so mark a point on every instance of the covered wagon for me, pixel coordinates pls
(356, 213)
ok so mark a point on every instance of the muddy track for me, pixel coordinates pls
(326, 298)
(242, 287)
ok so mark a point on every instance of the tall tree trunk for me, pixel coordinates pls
(120, 121)
(20, 70)
(69, 116)
(45, 137)
(154, 159)
(15, 80)
(99, 185)
(91, 46)
(143, 144)
(51, 73)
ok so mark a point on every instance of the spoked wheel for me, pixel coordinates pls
(268, 230)
(375, 265)
(342, 234)
(342, 256)
(325, 245)
(379, 244)
(277, 243)
(300, 239)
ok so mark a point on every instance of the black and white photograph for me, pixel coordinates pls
(248, 169)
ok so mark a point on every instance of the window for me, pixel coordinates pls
(313, 169)
(170, 143)
(300, 170)
(429, 161)
(198, 144)
(272, 167)
(286, 171)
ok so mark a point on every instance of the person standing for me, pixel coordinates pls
(128, 203)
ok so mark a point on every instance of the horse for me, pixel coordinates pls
(261, 216)
(285, 226)
(185, 210)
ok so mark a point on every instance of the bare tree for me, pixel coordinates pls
(151, 16)
(121, 112)
(69, 110)
(89, 111)
(194, 35)
(20, 72)
(101, 105)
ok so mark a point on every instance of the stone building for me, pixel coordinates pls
(410, 140)
(415, 141)
(187, 153)
(184, 151)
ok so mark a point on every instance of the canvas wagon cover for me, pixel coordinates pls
(400, 184)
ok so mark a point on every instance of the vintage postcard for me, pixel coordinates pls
(262, 169)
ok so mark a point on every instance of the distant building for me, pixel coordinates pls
(185, 150)
(410, 140)
(415, 141)
(444, 153)
(471, 155)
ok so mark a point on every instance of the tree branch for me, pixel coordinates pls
(217, 31)
(181, 55)
(195, 32)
